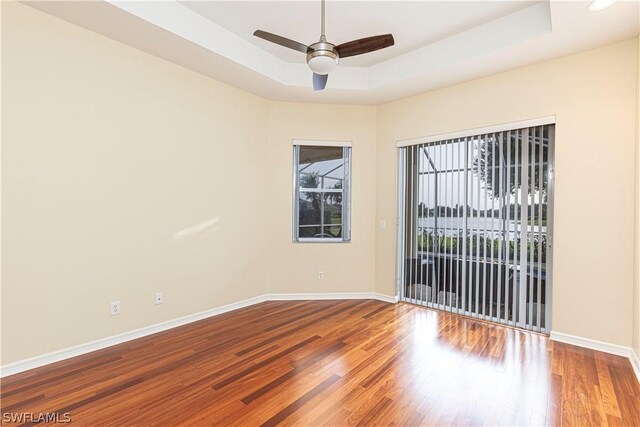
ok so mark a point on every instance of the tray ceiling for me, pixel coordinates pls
(438, 43)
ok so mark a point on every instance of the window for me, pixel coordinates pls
(321, 193)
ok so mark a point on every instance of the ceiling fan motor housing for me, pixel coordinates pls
(322, 57)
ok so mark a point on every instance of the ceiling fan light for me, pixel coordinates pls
(322, 57)
(597, 5)
(322, 64)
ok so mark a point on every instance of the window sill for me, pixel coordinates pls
(320, 240)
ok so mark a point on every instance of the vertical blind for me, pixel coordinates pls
(475, 225)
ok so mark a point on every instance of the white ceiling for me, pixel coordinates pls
(438, 43)
(414, 24)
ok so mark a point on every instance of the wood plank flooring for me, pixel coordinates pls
(361, 362)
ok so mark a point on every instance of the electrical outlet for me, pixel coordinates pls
(115, 308)
(320, 275)
(159, 298)
(383, 224)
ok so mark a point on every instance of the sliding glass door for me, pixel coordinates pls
(475, 225)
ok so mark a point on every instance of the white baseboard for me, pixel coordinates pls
(635, 362)
(386, 298)
(342, 295)
(605, 347)
(67, 353)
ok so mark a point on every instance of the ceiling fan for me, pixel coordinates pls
(322, 56)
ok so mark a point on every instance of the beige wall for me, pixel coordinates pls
(593, 95)
(129, 149)
(347, 267)
(106, 153)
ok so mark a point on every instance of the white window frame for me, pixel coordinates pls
(346, 191)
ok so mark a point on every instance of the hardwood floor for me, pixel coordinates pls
(334, 363)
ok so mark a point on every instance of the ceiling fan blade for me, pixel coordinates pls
(282, 41)
(366, 45)
(319, 81)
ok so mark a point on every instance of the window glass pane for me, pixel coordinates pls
(309, 208)
(330, 182)
(332, 215)
(321, 167)
(309, 232)
(320, 220)
(311, 224)
(321, 185)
